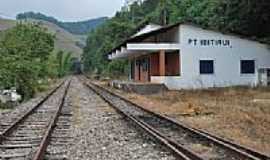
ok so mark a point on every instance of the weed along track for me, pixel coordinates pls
(186, 143)
(40, 132)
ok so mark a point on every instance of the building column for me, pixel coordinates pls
(130, 69)
(136, 71)
(162, 63)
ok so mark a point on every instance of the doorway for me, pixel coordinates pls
(142, 70)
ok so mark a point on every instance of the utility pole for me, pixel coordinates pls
(164, 13)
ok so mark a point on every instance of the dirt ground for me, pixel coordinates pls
(237, 113)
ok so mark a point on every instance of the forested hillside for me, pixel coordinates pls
(245, 17)
(64, 40)
(82, 27)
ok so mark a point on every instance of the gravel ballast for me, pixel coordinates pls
(100, 133)
(12, 114)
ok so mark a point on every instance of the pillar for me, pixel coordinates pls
(130, 69)
(162, 63)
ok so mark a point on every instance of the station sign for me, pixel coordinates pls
(209, 42)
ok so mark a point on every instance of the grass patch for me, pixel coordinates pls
(238, 113)
(5, 106)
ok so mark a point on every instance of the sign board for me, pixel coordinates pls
(209, 42)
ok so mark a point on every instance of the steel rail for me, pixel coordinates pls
(45, 140)
(29, 112)
(151, 131)
(251, 153)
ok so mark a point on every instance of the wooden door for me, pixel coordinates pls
(145, 70)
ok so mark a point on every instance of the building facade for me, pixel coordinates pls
(184, 56)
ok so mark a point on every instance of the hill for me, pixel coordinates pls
(64, 40)
(6, 24)
(81, 27)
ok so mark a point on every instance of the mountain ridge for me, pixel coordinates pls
(78, 27)
(64, 40)
(69, 36)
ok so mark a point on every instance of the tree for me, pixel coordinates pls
(248, 17)
(67, 63)
(24, 52)
(64, 63)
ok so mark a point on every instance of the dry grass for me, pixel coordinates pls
(240, 114)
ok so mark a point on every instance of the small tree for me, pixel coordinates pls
(64, 63)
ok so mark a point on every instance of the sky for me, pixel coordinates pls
(63, 10)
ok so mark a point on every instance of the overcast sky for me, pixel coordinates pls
(64, 10)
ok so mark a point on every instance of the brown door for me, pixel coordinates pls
(145, 70)
(137, 70)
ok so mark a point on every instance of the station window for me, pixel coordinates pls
(247, 66)
(206, 67)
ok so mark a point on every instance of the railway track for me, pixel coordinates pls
(185, 142)
(37, 133)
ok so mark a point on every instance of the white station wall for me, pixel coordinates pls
(226, 60)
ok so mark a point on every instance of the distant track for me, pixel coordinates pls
(29, 135)
(185, 142)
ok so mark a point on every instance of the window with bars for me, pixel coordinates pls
(206, 66)
(247, 66)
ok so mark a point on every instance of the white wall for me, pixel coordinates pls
(226, 60)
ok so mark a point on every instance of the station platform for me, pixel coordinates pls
(139, 88)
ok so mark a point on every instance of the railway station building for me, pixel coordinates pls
(185, 56)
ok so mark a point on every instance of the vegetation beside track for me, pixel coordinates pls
(27, 61)
(241, 114)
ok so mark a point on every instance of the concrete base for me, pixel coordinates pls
(140, 88)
